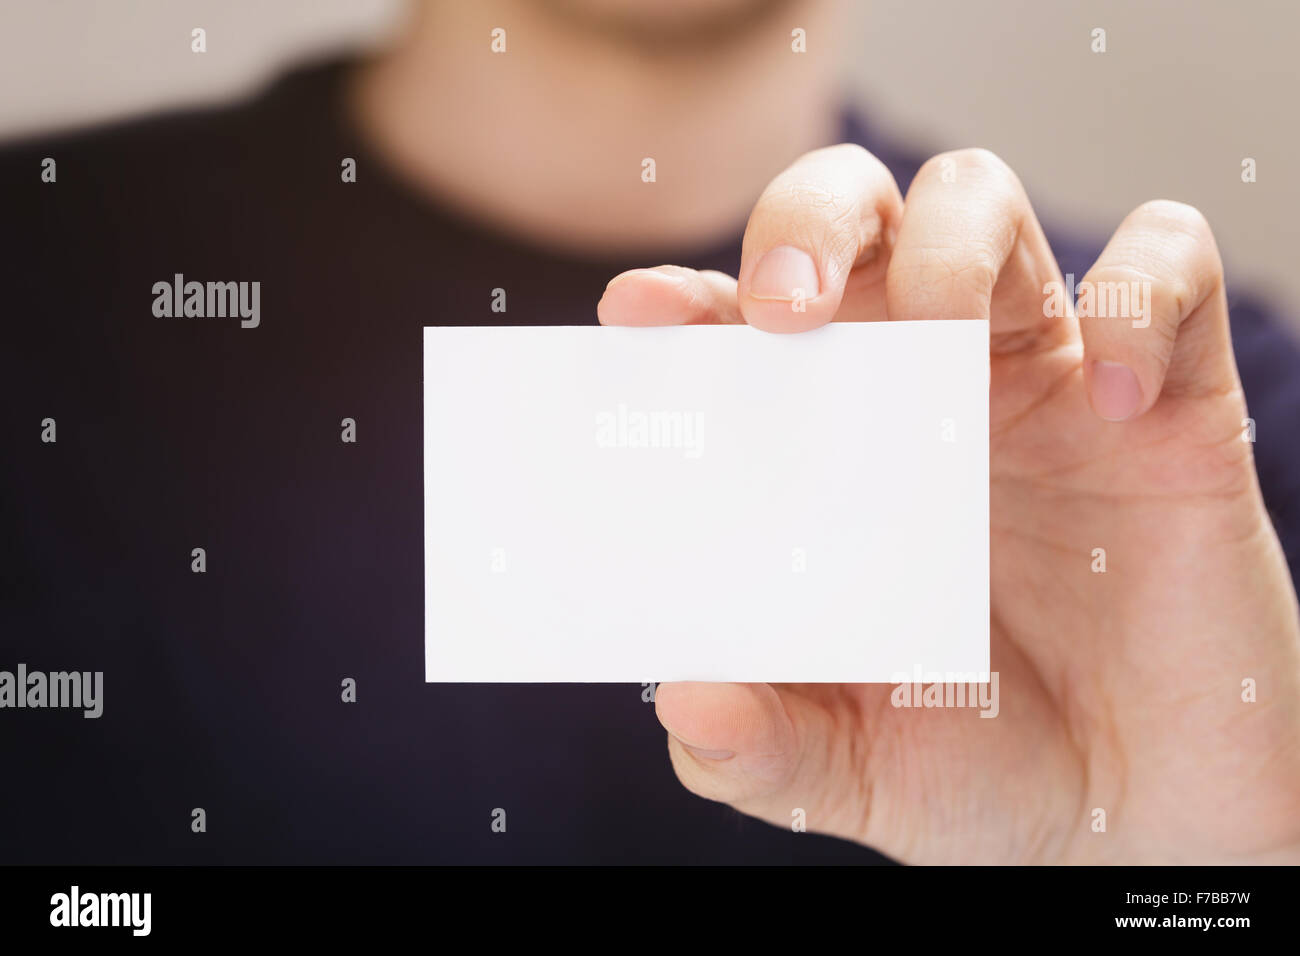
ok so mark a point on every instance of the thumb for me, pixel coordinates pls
(749, 746)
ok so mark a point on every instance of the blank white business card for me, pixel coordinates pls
(706, 503)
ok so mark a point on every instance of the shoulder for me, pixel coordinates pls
(158, 159)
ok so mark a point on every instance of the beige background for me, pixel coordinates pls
(1184, 92)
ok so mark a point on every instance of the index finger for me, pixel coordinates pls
(825, 224)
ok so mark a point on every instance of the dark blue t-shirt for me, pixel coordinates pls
(222, 690)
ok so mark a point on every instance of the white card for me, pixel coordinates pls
(706, 503)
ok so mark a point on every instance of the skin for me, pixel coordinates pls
(1120, 691)
(545, 141)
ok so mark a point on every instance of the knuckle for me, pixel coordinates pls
(1123, 290)
(849, 152)
(842, 156)
(1174, 242)
(837, 199)
(813, 195)
(787, 196)
(982, 173)
(1174, 216)
(933, 276)
(977, 157)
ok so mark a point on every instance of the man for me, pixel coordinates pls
(207, 532)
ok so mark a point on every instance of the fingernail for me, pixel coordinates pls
(785, 273)
(702, 753)
(1116, 394)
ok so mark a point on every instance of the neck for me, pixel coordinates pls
(548, 139)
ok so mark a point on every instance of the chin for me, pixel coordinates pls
(662, 20)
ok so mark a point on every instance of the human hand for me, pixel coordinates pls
(1120, 691)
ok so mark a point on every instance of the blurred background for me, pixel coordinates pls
(1184, 92)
